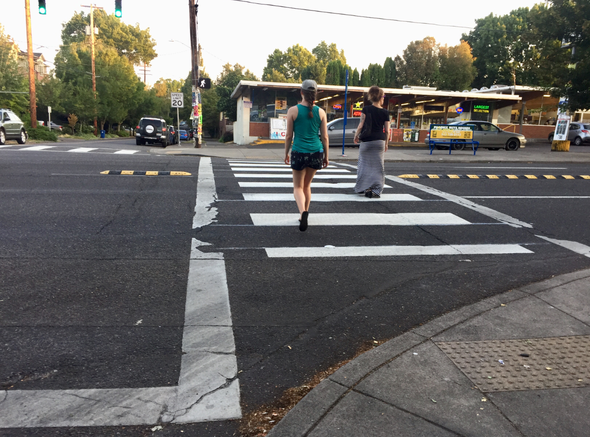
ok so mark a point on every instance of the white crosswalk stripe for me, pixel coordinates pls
(82, 150)
(359, 251)
(34, 148)
(323, 197)
(285, 169)
(126, 152)
(269, 170)
(289, 176)
(342, 185)
(361, 219)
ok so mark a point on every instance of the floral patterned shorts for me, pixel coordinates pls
(299, 160)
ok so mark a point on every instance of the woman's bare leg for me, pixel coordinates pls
(302, 187)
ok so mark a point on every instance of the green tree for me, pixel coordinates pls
(325, 53)
(500, 48)
(334, 71)
(419, 65)
(10, 78)
(373, 75)
(389, 73)
(316, 71)
(456, 67)
(226, 83)
(355, 80)
(276, 68)
(130, 41)
(569, 22)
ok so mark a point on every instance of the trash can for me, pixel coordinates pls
(102, 133)
(415, 135)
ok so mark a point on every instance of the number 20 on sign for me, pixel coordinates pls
(177, 100)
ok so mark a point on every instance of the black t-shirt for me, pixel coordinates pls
(379, 116)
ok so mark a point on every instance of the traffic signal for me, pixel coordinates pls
(205, 83)
(118, 9)
(42, 7)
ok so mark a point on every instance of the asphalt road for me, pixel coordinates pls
(94, 268)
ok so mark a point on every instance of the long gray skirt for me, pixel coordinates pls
(371, 171)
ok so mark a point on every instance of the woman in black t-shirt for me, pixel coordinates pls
(370, 178)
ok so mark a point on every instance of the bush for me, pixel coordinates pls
(42, 133)
(66, 130)
(87, 129)
(227, 137)
(122, 133)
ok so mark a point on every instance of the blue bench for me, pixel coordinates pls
(451, 142)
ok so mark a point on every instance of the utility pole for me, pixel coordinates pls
(193, 10)
(92, 7)
(31, 57)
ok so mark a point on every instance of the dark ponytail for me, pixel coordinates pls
(309, 97)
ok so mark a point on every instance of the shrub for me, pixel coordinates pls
(122, 133)
(227, 137)
(42, 133)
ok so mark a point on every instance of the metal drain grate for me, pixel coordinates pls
(527, 364)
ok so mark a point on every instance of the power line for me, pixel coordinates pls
(352, 15)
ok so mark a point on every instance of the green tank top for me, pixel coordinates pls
(307, 131)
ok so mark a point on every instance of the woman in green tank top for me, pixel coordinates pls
(309, 153)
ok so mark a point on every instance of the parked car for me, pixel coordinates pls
(151, 130)
(489, 136)
(578, 133)
(183, 135)
(172, 135)
(336, 129)
(11, 127)
(54, 126)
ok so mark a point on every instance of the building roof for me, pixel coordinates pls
(408, 94)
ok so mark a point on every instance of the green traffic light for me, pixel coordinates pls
(42, 7)
(118, 14)
(42, 11)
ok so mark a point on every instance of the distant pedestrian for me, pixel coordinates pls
(370, 178)
(309, 152)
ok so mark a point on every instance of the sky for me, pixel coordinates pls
(241, 32)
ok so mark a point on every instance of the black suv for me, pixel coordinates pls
(11, 127)
(151, 130)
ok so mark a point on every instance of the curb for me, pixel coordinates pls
(320, 401)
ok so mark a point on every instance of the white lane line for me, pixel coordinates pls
(126, 152)
(290, 185)
(574, 246)
(205, 213)
(290, 176)
(34, 148)
(361, 251)
(362, 219)
(82, 150)
(322, 197)
(207, 390)
(286, 169)
(527, 197)
(3, 147)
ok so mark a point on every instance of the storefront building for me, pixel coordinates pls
(262, 107)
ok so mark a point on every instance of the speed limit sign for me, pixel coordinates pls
(177, 100)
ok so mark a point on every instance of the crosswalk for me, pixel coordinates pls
(69, 149)
(334, 186)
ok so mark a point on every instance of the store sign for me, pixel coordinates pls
(561, 128)
(481, 108)
(278, 128)
(337, 107)
(280, 104)
(449, 132)
(357, 109)
(459, 110)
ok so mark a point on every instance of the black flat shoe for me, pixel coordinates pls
(369, 194)
(303, 221)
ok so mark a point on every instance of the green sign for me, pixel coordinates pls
(481, 108)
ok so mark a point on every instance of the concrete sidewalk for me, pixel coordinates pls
(401, 152)
(516, 364)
